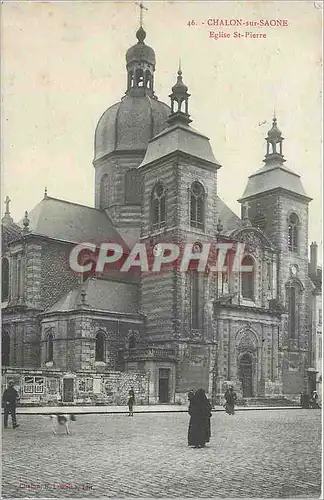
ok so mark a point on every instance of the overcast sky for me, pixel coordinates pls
(63, 64)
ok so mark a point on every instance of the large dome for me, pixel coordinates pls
(130, 124)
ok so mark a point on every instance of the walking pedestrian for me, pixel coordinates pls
(131, 402)
(9, 401)
(199, 424)
(230, 398)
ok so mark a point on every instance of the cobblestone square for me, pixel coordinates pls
(252, 454)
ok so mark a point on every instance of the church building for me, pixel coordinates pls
(87, 338)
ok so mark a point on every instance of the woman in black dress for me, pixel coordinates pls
(199, 424)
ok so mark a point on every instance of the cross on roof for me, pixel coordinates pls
(142, 7)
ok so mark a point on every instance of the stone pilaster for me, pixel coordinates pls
(33, 275)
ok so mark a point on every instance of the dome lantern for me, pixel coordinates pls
(140, 64)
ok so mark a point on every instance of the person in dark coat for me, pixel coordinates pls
(230, 398)
(9, 401)
(131, 402)
(199, 424)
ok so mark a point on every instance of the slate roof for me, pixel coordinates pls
(66, 221)
(273, 176)
(101, 294)
(179, 137)
(227, 217)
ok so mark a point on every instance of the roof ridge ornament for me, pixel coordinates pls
(26, 223)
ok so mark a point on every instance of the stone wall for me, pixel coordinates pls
(45, 387)
(24, 332)
(74, 339)
(194, 370)
(57, 278)
(116, 166)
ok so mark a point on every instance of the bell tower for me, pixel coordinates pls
(179, 178)
(279, 207)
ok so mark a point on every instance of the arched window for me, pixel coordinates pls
(5, 279)
(49, 348)
(293, 233)
(197, 205)
(100, 347)
(293, 294)
(104, 191)
(5, 348)
(247, 278)
(132, 187)
(158, 212)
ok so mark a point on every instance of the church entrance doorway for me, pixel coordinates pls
(164, 380)
(68, 390)
(246, 375)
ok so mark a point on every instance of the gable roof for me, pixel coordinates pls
(71, 222)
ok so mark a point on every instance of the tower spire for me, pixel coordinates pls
(180, 96)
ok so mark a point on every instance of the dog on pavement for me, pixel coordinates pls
(59, 419)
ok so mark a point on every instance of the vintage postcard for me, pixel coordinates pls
(161, 270)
